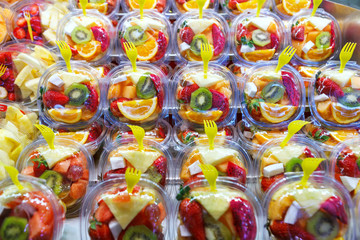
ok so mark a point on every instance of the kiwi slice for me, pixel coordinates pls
(323, 40)
(215, 230)
(14, 228)
(135, 34)
(201, 99)
(139, 232)
(294, 165)
(273, 92)
(145, 87)
(323, 226)
(350, 99)
(53, 180)
(196, 43)
(153, 174)
(77, 93)
(261, 38)
(81, 35)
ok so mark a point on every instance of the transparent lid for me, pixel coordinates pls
(106, 7)
(184, 6)
(234, 8)
(286, 9)
(161, 6)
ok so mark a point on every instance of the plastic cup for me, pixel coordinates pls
(108, 8)
(233, 9)
(182, 7)
(239, 69)
(286, 9)
(161, 6)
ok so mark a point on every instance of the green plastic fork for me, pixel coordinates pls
(27, 18)
(83, 4)
(309, 165)
(346, 54)
(201, 4)
(210, 174)
(206, 56)
(260, 3)
(141, 7)
(139, 134)
(65, 53)
(285, 57)
(293, 128)
(131, 53)
(47, 133)
(316, 4)
(211, 132)
(132, 177)
(13, 173)
(2, 69)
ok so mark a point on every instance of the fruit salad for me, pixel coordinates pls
(316, 39)
(236, 7)
(200, 98)
(184, 6)
(150, 36)
(322, 210)
(69, 98)
(152, 161)
(66, 169)
(229, 212)
(110, 212)
(90, 37)
(159, 5)
(192, 32)
(106, 7)
(275, 162)
(135, 97)
(288, 8)
(272, 98)
(31, 213)
(335, 96)
(258, 38)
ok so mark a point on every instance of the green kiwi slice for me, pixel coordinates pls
(145, 87)
(139, 232)
(53, 180)
(201, 99)
(323, 40)
(350, 99)
(260, 38)
(14, 228)
(294, 165)
(323, 226)
(215, 230)
(196, 43)
(135, 34)
(273, 92)
(77, 93)
(81, 35)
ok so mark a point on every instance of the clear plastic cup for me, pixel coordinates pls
(154, 161)
(127, 100)
(219, 88)
(191, 32)
(67, 169)
(106, 7)
(184, 6)
(308, 73)
(5, 19)
(316, 39)
(150, 35)
(272, 100)
(231, 211)
(256, 39)
(166, 68)
(3, 29)
(104, 69)
(69, 99)
(31, 213)
(239, 69)
(357, 213)
(26, 62)
(321, 210)
(161, 6)
(234, 7)
(285, 9)
(96, 30)
(274, 163)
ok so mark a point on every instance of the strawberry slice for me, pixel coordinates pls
(162, 45)
(36, 24)
(218, 39)
(19, 33)
(184, 95)
(335, 207)
(102, 36)
(99, 231)
(326, 86)
(267, 182)
(290, 87)
(21, 22)
(244, 218)
(242, 31)
(220, 102)
(92, 102)
(161, 166)
(186, 35)
(298, 33)
(159, 89)
(347, 163)
(191, 216)
(236, 171)
(34, 10)
(114, 106)
(40, 165)
(283, 230)
(53, 98)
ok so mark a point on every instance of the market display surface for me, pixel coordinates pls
(177, 119)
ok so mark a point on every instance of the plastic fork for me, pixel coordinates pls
(2, 69)
(206, 55)
(285, 57)
(83, 4)
(131, 53)
(139, 134)
(293, 128)
(201, 4)
(210, 174)
(27, 18)
(346, 54)
(13, 173)
(141, 7)
(309, 165)
(132, 177)
(260, 3)
(316, 4)
(47, 133)
(65, 53)
(211, 132)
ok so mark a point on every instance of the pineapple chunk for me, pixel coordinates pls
(24, 75)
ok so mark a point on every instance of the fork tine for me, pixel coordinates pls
(345, 47)
(353, 47)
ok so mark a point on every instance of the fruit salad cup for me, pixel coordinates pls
(109, 212)
(150, 35)
(335, 97)
(287, 8)
(67, 169)
(31, 213)
(257, 38)
(272, 100)
(184, 6)
(322, 210)
(161, 6)
(26, 62)
(135, 97)
(69, 99)
(106, 7)
(229, 212)
(274, 163)
(90, 37)
(316, 39)
(236, 7)
(197, 99)
(191, 32)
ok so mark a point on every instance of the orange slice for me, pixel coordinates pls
(101, 7)
(342, 135)
(199, 117)
(81, 136)
(149, 4)
(89, 50)
(258, 55)
(192, 4)
(306, 71)
(137, 110)
(276, 113)
(147, 50)
(246, 5)
(345, 115)
(318, 54)
(65, 115)
(294, 6)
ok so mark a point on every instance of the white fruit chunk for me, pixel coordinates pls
(115, 228)
(262, 22)
(140, 160)
(307, 46)
(70, 78)
(246, 48)
(217, 155)
(199, 25)
(286, 153)
(349, 182)
(184, 232)
(69, 27)
(195, 168)
(273, 169)
(184, 46)
(3, 93)
(292, 213)
(271, 75)
(117, 162)
(248, 134)
(50, 36)
(135, 76)
(119, 78)
(319, 23)
(56, 80)
(211, 79)
(250, 89)
(342, 79)
(355, 82)
(320, 98)
(149, 23)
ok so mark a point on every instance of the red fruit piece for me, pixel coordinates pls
(326, 86)
(335, 207)
(184, 95)
(298, 33)
(220, 102)
(332, 39)
(34, 10)
(101, 35)
(181, 2)
(232, 3)
(159, 89)
(19, 33)
(308, 153)
(113, 172)
(162, 45)
(36, 24)
(161, 132)
(228, 132)
(21, 22)
(161, 165)
(53, 98)
(267, 182)
(11, 96)
(191, 216)
(186, 35)
(74, 51)
(99, 231)
(290, 87)
(283, 230)
(114, 107)
(188, 136)
(347, 163)
(122, 41)
(244, 218)
(218, 39)
(103, 213)
(236, 171)
(275, 41)
(40, 166)
(94, 132)
(74, 172)
(242, 31)
(6, 59)
(92, 102)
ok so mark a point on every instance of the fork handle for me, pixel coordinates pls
(68, 65)
(30, 30)
(133, 63)
(278, 67)
(342, 66)
(206, 67)
(211, 143)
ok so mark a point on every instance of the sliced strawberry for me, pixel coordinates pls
(40, 166)
(34, 10)
(191, 216)
(236, 171)
(290, 87)
(53, 98)
(161, 167)
(114, 172)
(102, 36)
(184, 95)
(114, 106)
(298, 33)
(159, 88)
(308, 153)
(21, 22)
(220, 102)
(267, 182)
(92, 102)
(103, 213)
(218, 39)
(186, 35)
(99, 231)
(333, 36)
(326, 86)
(283, 230)
(242, 31)
(275, 41)
(244, 218)
(11, 96)
(36, 24)
(181, 2)
(188, 136)
(19, 33)
(6, 59)
(347, 163)
(162, 45)
(335, 207)
(74, 51)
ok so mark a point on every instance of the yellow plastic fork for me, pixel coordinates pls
(132, 177)
(293, 128)
(47, 133)
(285, 57)
(65, 53)
(131, 53)
(309, 165)
(260, 3)
(211, 132)
(139, 134)
(316, 4)
(346, 54)
(206, 55)
(141, 7)
(27, 18)
(201, 4)
(13, 173)
(210, 174)
(83, 4)
(2, 69)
